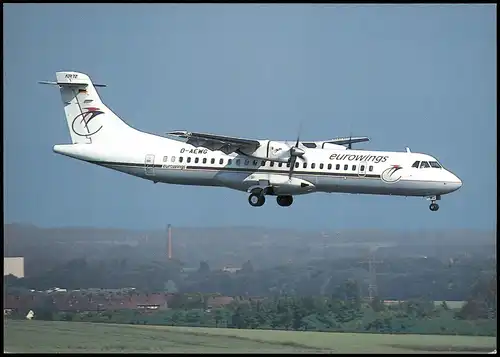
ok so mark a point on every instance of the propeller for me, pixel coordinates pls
(295, 152)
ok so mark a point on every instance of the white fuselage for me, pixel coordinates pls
(261, 167)
(161, 159)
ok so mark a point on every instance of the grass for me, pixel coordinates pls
(59, 336)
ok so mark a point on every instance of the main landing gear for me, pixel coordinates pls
(284, 201)
(434, 206)
(258, 197)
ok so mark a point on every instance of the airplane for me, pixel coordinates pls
(260, 168)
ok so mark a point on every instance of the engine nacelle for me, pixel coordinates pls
(271, 150)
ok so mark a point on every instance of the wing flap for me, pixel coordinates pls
(226, 144)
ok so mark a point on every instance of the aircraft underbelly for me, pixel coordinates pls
(172, 176)
(234, 180)
(378, 187)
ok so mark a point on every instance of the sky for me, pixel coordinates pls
(422, 76)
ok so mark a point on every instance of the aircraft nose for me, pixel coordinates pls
(455, 182)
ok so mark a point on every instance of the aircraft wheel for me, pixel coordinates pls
(284, 201)
(256, 200)
(434, 207)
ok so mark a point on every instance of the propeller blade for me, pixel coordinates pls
(293, 159)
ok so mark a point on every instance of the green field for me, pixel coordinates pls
(52, 336)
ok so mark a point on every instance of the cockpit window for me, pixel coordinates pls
(435, 164)
(424, 164)
(415, 164)
(309, 145)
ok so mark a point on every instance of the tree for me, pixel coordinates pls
(218, 317)
(204, 267)
(377, 304)
(170, 287)
(247, 267)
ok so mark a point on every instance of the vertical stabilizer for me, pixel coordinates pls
(89, 120)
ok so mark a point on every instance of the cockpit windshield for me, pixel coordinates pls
(426, 164)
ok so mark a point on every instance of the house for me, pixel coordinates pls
(219, 301)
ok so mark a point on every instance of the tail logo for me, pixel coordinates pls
(82, 126)
(392, 174)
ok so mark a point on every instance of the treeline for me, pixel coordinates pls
(344, 311)
(397, 278)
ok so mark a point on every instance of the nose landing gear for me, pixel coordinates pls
(434, 206)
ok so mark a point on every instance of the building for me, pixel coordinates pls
(13, 266)
(230, 270)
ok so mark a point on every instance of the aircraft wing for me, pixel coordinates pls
(348, 140)
(226, 144)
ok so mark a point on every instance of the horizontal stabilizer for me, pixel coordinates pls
(70, 84)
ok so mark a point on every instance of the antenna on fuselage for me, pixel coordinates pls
(408, 150)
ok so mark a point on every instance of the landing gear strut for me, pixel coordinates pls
(434, 206)
(256, 199)
(284, 201)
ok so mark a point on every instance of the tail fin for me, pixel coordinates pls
(89, 120)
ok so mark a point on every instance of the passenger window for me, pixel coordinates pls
(415, 164)
(296, 165)
(435, 164)
(288, 164)
(165, 158)
(263, 163)
(305, 165)
(370, 168)
(247, 162)
(313, 165)
(280, 164)
(188, 159)
(173, 159)
(346, 167)
(424, 165)
(321, 166)
(212, 161)
(196, 160)
(221, 161)
(230, 161)
(362, 167)
(180, 159)
(329, 166)
(255, 162)
(238, 161)
(204, 160)
(353, 167)
(271, 163)
(337, 167)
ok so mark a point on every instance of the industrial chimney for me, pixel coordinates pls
(169, 229)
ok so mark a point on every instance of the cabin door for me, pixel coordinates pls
(362, 169)
(149, 165)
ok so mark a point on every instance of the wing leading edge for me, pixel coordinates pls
(348, 140)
